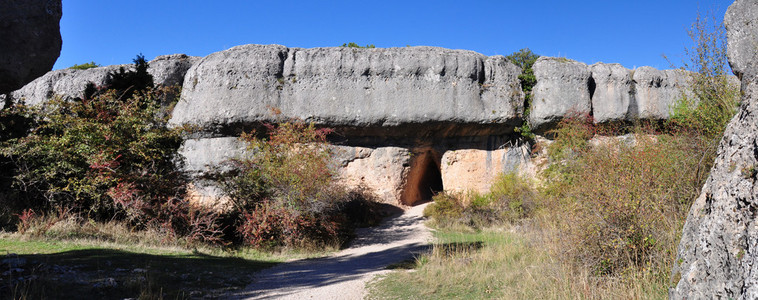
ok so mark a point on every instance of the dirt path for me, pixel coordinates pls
(344, 274)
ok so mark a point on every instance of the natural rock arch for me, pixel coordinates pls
(424, 178)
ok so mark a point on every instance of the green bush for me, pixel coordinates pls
(354, 45)
(84, 66)
(525, 59)
(511, 198)
(106, 157)
(712, 101)
(285, 192)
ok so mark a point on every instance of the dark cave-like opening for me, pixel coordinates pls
(424, 179)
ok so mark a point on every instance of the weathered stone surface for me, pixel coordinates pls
(475, 169)
(381, 171)
(562, 89)
(656, 91)
(69, 83)
(741, 22)
(169, 70)
(613, 92)
(31, 40)
(718, 253)
(380, 88)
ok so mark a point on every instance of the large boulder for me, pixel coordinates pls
(656, 92)
(611, 92)
(562, 89)
(412, 91)
(30, 31)
(718, 253)
(167, 70)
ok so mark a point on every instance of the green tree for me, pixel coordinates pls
(525, 59)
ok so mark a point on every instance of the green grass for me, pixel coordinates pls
(503, 264)
(70, 269)
(469, 265)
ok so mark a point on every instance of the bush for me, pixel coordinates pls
(510, 199)
(285, 192)
(84, 66)
(525, 59)
(625, 203)
(105, 157)
(712, 101)
(354, 45)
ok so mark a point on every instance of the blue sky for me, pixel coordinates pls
(634, 33)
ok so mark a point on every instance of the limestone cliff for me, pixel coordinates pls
(718, 253)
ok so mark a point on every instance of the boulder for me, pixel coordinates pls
(718, 253)
(31, 36)
(167, 70)
(741, 28)
(656, 92)
(562, 89)
(611, 89)
(412, 91)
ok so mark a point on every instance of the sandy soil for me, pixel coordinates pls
(344, 274)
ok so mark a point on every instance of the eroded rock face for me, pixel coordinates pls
(562, 89)
(718, 253)
(31, 40)
(656, 91)
(167, 70)
(475, 169)
(612, 92)
(403, 89)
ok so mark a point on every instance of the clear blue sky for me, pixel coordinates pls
(634, 33)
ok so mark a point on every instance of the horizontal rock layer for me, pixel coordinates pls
(167, 70)
(397, 88)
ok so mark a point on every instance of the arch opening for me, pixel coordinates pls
(424, 179)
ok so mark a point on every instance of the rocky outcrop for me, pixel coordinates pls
(607, 92)
(31, 40)
(562, 89)
(409, 92)
(718, 253)
(656, 92)
(612, 92)
(167, 70)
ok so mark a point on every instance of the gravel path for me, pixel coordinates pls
(344, 274)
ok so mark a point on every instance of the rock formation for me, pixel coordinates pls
(31, 36)
(718, 253)
(562, 88)
(408, 121)
(167, 70)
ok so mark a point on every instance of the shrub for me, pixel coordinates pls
(354, 45)
(712, 100)
(511, 198)
(525, 59)
(285, 192)
(105, 157)
(84, 66)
